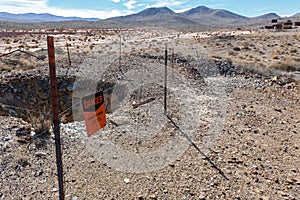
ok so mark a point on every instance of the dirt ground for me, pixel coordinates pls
(254, 153)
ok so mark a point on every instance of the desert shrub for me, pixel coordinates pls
(257, 68)
(6, 68)
(41, 123)
(287, 65)
(232, 53)
(26, 64)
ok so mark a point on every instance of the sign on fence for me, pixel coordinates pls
(94, 112)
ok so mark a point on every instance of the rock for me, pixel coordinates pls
(282, 193)
(202, 196)
(187, 190)
(44, 96)
(277, 109)
(172, 165)
(54, 190)
(126, 180)
(291, 181)
(119, 120)
(40, 154)
(140, 197)
(152, 196)
(264, 198)
(275, 78)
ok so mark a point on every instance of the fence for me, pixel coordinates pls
(67, 87)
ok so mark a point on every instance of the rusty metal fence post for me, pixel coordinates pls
(166, 65)
(56, 129)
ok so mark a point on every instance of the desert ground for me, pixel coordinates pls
(233, 97)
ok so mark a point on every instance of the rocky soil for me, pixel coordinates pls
(235, 133)
(256, 155)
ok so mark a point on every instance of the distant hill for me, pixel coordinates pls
(207, 15)
(154, 13)
(266, 17)
(151, 17)
(148, 14)
(296, 15)
(32, 17)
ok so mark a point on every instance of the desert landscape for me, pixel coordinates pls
(231, 129)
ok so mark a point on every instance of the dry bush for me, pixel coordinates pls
(26, 64)
(41, 123)
(232, 53)
(6, 68)
(288, 65)
(257, 68)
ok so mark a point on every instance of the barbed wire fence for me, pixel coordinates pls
(45, 115)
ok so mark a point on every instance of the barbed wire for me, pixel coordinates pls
(25, 109)
(19, 50)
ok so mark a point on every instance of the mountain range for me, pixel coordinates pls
(44, 17)
(155, 17)
(196, 17)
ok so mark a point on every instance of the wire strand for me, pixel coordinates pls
(25, 109)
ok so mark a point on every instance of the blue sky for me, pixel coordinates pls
(109, 8)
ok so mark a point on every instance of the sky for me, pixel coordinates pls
(103, 9)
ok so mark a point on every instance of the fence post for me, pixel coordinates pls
(52, 68)
(69, 58)
(166, 65)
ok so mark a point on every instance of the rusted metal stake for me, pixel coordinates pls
(173, 58)
(166, 65)
(51, 56)
(120, 51)
(70, 64)
(173, 62)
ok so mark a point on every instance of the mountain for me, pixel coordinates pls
(32, 17)
(163, 12)
(266, 17)
(150, 17)
(195, 18)
(207, 15)
(296, 15)
(149, 14)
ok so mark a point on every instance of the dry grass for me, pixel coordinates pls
(41, 123)
(288, 65)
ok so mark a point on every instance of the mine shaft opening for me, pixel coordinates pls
(29, 97)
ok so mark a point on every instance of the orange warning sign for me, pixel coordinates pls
(94, 112)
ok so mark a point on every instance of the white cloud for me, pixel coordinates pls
(166, 3)
(116, 1)
(101, 14)
(19, 6)
(40, 6)
(130, 4)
